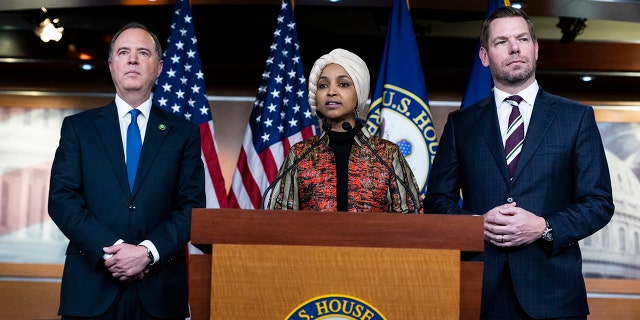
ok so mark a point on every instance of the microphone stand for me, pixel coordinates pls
(325, 127)
(416, 208)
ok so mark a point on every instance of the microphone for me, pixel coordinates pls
(416, 207)
(325, 127)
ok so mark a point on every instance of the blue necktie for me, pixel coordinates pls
(134, 145)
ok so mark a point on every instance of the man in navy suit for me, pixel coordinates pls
(558, 193)
(126, 257)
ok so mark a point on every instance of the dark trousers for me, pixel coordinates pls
(506, 305)
(127, 306)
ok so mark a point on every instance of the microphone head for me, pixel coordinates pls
(326, 126)
(347, 126)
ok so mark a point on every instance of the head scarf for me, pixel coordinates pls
(355, 67)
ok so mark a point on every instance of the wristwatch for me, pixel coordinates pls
(149, 255)
(547, 234)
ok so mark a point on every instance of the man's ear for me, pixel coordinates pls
(484, 56)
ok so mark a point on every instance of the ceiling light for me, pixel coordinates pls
(518, 4)
(586, 78)
(49, 29)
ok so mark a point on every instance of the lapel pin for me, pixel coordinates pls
(162, 127)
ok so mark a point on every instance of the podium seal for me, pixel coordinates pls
(335, 307)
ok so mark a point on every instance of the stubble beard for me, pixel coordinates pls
(513, 78)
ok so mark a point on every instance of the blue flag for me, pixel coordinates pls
(399, 110)
(480, 82)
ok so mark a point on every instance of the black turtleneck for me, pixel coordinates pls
(340, 143)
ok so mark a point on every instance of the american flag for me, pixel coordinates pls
(281, 116)
(180, 89)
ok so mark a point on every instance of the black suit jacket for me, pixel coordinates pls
(90, 201)
(562, 175)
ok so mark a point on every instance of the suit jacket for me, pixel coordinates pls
(90, 201)
(562, 175)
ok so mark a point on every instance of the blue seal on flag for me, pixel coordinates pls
(403, 118)
(335, 307)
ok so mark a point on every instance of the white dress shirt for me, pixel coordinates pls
(526, 107)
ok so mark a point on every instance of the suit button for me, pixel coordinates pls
(132, 208)
(510, 200)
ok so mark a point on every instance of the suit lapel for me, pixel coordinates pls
(488, 118)
(155, 135)
(544, 111)
(108, 126)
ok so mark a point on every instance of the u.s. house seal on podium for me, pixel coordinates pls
(335, 307)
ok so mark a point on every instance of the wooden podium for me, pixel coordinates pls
(264, 264)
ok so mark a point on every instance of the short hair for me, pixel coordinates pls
(504, 12)
(136, 25)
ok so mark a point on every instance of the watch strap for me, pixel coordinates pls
(547, 234)
(149, 254)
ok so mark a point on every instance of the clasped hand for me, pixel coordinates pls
(508, 225)
(128, 262)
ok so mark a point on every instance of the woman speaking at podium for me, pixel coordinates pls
(345, 168)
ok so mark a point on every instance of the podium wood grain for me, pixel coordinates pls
(362, 231)
(269, 282)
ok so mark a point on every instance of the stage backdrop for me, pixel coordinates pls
(30, 136)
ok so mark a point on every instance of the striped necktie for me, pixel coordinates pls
(515, 134)
(134, 146)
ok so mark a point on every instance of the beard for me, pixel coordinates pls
(513, 77)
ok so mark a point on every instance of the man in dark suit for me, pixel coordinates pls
(126, 257)
(539, 197)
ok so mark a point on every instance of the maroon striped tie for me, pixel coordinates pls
(515, 134)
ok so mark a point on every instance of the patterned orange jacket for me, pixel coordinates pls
(372, 188)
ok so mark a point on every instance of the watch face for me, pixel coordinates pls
(547, 235)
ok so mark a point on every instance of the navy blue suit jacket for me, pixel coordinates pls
(562, 175)
(90, 201)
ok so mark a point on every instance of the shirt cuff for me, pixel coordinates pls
(106, 256)
(152, 247)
